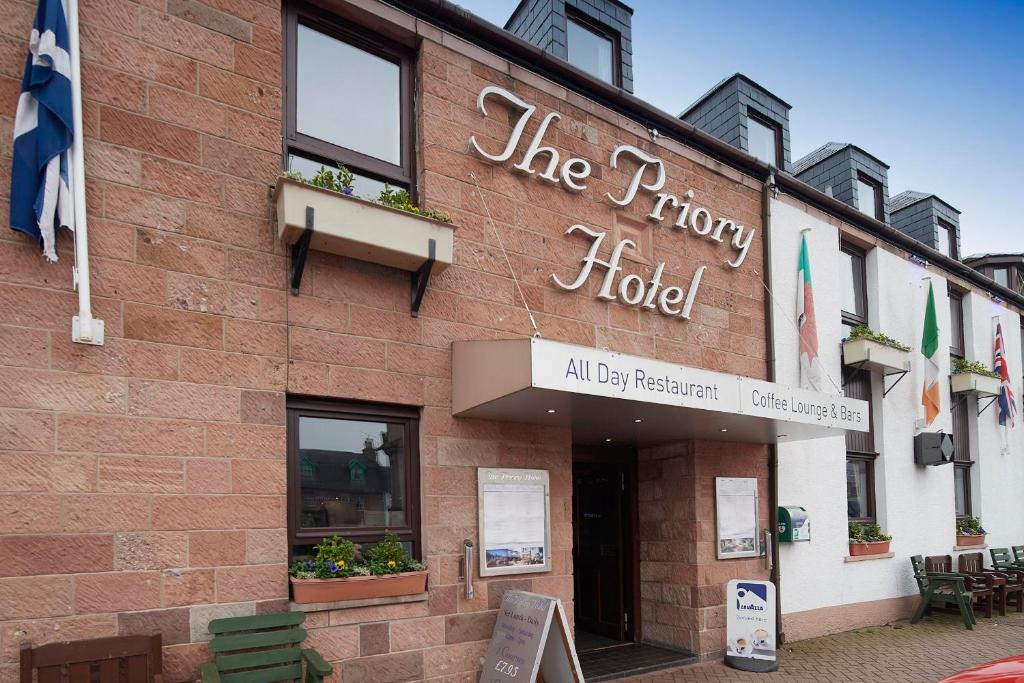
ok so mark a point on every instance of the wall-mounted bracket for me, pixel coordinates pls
(300, 250)
(420, 278)
(991, 401)
(858, 367)
(901, 375)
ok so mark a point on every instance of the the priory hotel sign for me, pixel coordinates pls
(681, 212)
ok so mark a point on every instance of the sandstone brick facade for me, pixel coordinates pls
(144, 483)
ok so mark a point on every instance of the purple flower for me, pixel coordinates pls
(347, 190)
(309, 565)
(332, 567)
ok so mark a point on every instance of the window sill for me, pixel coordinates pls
(970, 547)
(861, 558)
(350, 604)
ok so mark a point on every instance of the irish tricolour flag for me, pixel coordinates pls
(930, 396)
(810, 366)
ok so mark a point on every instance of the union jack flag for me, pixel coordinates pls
(1007, 404)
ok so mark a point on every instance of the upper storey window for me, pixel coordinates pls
(349, 100)
(593, 48)
(869, 197)
(764, 140)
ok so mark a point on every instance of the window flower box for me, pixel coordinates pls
(309, 591)
(970, 540)
(859, 548)
(971, 376)
(358, 228)
(875, 356)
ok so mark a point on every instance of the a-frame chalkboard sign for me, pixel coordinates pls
(531, 642)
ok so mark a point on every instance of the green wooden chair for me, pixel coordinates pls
(1018, 554)
(265, 648)
(1002, 559)
(938, 587)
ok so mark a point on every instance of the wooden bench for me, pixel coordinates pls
(942, 588)
(262, 649)
(1007, 584)
(121, 659)
(980, 586)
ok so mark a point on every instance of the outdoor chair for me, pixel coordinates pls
(1018, 554)
(1003, 560)
(1008, 585)
(120, 659)
(262, 649)
(982, 587)
(942, 588)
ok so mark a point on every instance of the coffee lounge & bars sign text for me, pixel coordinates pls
(649, 176)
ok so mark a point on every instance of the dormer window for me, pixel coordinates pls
(869, 197)
(946, 240)
(593, 48)
(764, 140)
(1001, 276)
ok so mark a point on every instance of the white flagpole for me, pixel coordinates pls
(84, 328)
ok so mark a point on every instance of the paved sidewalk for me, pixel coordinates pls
(926, 652)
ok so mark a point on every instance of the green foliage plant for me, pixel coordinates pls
(336, 558)
(342, 180)
(969, 526)
(961, 365)
(867, 532)
(865, 332)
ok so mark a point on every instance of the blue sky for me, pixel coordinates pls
(934, 89)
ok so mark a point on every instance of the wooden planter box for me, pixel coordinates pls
(359, 228)
(869, 548)
(969, 382)
(875, 356)
(976, 539)
(307, 591)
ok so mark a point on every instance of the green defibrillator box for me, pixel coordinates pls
(794, 525)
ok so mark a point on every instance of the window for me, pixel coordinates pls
(353, 470)
(956, 324)
(869, 197)
(594, 48)
(962, 490)
(946, 242)
(860, 489)
(860, 452)
(348, 100)
(764, 139)
(1001, 276)
(853, 287)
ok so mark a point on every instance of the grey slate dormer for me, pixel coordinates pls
(849, 174)
(927, 219)
(741, 113)
(550, 25)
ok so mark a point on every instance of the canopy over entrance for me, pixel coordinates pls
(606, 396)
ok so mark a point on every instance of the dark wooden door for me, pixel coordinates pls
(602, 548)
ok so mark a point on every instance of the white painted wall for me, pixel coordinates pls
(914, 504)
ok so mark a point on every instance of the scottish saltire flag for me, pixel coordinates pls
(810, 365)
(1007, 404)
(43, 132)
(931, 397)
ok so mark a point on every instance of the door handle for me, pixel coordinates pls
(466, 569)
(767, 549)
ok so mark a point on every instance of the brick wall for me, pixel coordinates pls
(145, 479)
(682, 583)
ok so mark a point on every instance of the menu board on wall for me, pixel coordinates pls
(515, 521)
(736, 513)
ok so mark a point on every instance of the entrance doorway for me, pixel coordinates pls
(604, 553)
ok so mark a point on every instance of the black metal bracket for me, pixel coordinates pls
(420, 278)
(885, 392)
(300, 250)
(987, 405)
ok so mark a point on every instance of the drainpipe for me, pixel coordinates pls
(768, 192)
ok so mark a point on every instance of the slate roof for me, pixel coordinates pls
(908, 197)
(820, 154)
